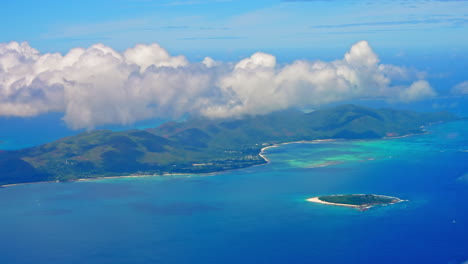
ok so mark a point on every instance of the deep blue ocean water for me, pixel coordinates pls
(258, 214)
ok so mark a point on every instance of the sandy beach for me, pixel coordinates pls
(25, 183)
(294, 142)
(317, 200)
(106, 177)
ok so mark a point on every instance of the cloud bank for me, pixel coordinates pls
(99, 85)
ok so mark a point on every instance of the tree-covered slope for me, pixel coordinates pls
(200, 145)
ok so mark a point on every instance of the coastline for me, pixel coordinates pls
(126, 176)
(261, 154)
(408, 135)
(363, 207)
(132, 176)
(104, 177)
(25, 183)
(293, 142)
(317, 200)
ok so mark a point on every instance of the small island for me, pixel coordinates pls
(363, 202)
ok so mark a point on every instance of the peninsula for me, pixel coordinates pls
(201, 145)
(360, 201)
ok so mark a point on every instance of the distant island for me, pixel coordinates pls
(360, 201)
(201, 145)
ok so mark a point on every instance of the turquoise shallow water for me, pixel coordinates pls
(258, 214)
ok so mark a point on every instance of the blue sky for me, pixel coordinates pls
(106, 62)
(225, 27)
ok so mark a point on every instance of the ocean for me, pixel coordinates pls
(258, 214)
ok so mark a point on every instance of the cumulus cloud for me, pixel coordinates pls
(417, 91)
(209, 62)
(99, 85)
(461, 88)
(147, 55)
(398, 73)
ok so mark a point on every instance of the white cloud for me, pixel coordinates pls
(209, 62)
(147, 55)
(256, 61)
(417, 91)
(398, 73)
(256, 86)
(99, 85)
(461, 88)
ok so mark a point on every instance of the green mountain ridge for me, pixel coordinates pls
(200, 145)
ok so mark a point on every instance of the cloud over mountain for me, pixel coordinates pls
(417, 91)
(99, 85)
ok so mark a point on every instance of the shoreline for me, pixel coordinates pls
(261, 154)
(131, 176)
(104, 177)
(293, 142)
(408, 135)
(25, 183)
(364, 207)
(317, 200)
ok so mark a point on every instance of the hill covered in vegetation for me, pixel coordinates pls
(200, 145)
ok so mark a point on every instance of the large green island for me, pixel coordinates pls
(360, 201)
(201, 145)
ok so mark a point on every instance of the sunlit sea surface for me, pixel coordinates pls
(258, 214)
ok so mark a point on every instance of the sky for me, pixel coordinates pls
(121, 61)
(229, 26)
